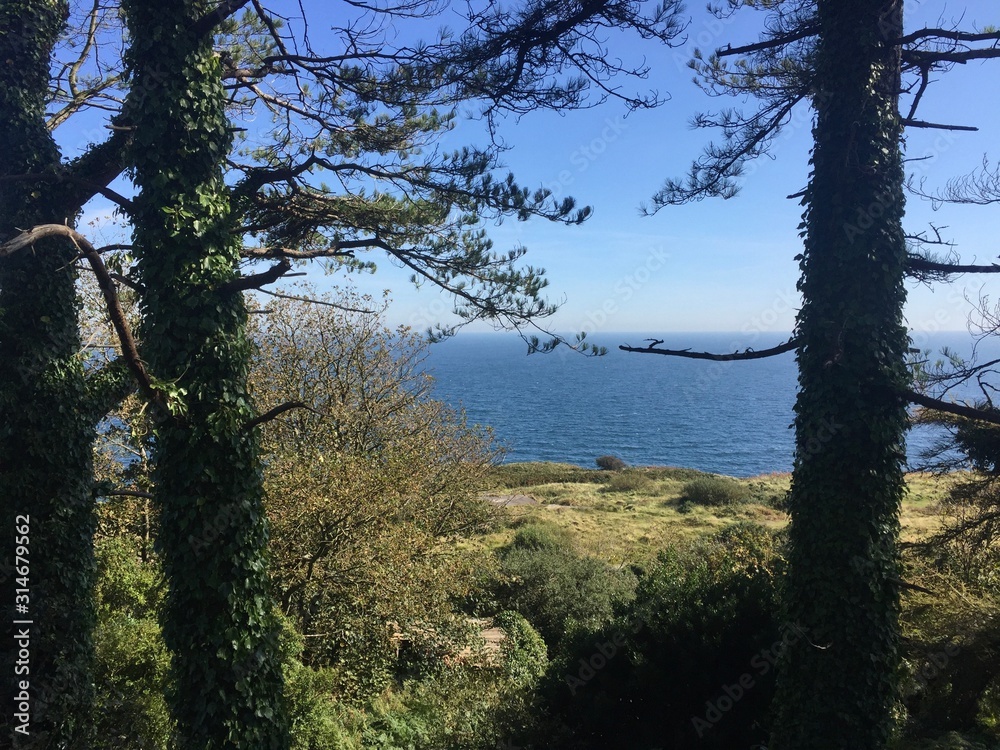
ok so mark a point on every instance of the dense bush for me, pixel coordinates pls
(610, 463)
(131, 661)
(631, 480)
(532, 474)
(543, 579)
(688, 664)
(714, 491)
(523, 654)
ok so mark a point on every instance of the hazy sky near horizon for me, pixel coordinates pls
(714, 265)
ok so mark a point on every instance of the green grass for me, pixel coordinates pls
(627, 516)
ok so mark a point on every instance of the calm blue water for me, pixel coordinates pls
(726, 417)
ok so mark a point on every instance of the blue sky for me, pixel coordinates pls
(715, 265)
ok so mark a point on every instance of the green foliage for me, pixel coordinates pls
(375, 464)
(667, 670)
(47, 415)
(523, 654)
(132, 663)
(556, 590)
(714, 491)
(610, 463)
(226, 687)
(629, 480)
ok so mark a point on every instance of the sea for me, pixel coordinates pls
(730, 418)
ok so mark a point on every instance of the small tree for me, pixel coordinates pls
(365, 482)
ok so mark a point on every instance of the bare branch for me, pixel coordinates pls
(117, 198)
(257, 280)
(949, 34)
(129, 493)
(937, 126)
(276, 412)
(788, 346)
(115, 312)
(312, 301)
(960, 410)
(769, 44)
(918, 264)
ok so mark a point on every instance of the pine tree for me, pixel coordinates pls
(847, 57)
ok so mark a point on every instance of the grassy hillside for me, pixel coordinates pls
(628, 515)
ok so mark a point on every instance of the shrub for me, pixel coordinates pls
(543, 579)
(534, 473)
(610, 463)
(537, 536)
(701, 619)
(131, 661)
(523, 653)
(628, 481)
(714, 491)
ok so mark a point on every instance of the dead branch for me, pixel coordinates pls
(257, 280)
(276, 412)
(788, 346)
(768, 44)
(129, 349)
(910, 123)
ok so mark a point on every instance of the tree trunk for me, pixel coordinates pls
(219, 624)
(838, 687)
(46, 431)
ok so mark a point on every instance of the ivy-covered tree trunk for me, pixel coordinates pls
(218, 623)
(46, 431)
(838, 686)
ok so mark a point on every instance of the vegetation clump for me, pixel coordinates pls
(543, 578)
(610, 463)
(714, 491)
(630, 480)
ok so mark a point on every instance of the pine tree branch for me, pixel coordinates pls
(788, 346)
(768, 44)
(948, 407)
(257, 280)
(910, 123)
